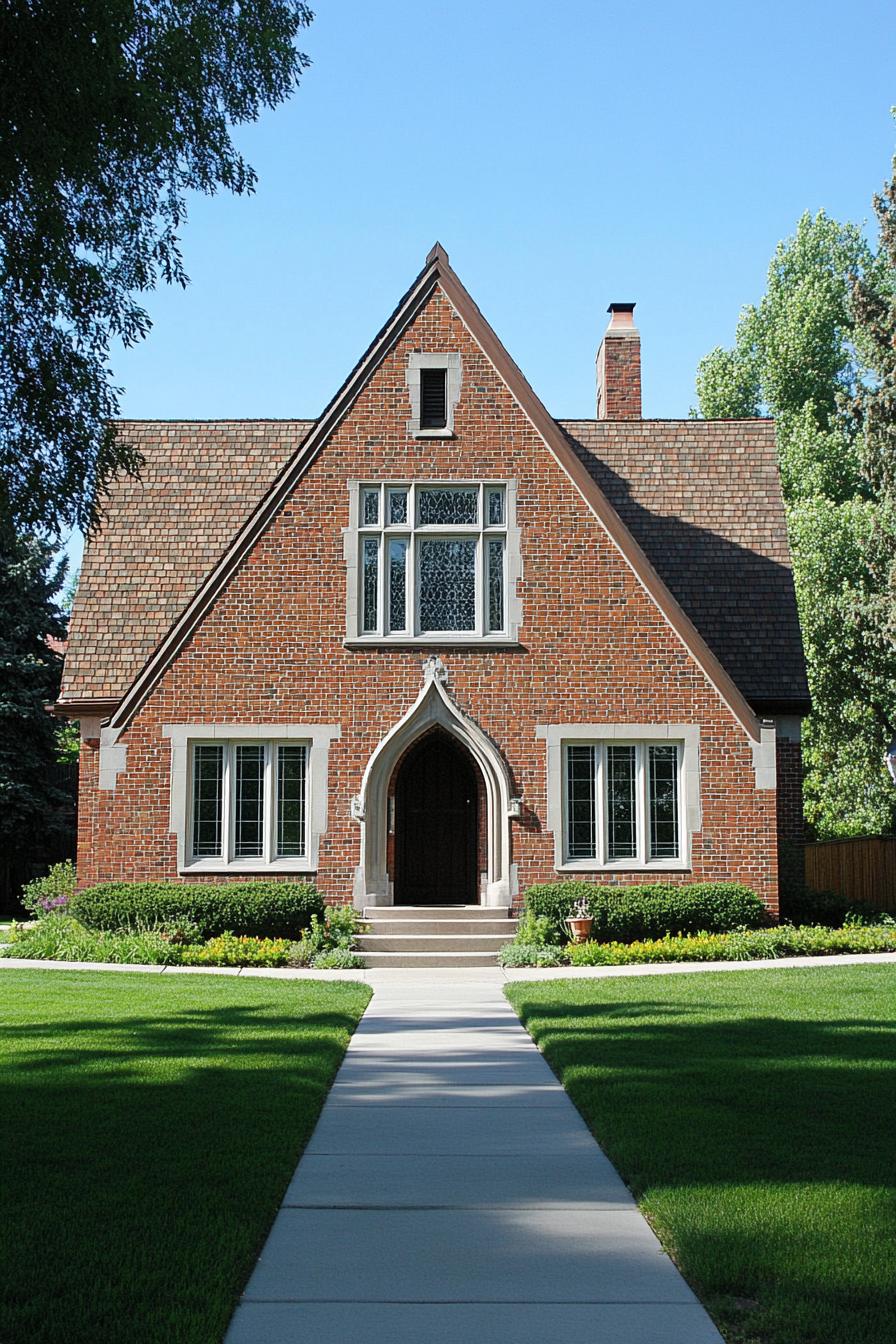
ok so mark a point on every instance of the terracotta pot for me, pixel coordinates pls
(580, 928)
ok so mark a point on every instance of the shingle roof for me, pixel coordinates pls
(162, 534)
(703, 499)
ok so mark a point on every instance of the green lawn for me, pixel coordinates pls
(150, 1126)
(753, 1114)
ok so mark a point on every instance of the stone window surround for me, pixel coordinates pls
(317, 736)
(513, 574)
(454, 370)
(557, 736)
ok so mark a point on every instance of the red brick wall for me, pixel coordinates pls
(619, 378)
(791, 822)
(593, 647)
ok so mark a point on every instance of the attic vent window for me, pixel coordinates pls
(433, 398)
(434, 382)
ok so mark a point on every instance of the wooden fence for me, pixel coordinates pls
(861, 870)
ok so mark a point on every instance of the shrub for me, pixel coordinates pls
(230, 949)
(327, 936)
(625, 914)
(744, 945)
(59, 937)
(53, 892)
(260, 909)
(531, 954)
(826, 907)
(337, 959)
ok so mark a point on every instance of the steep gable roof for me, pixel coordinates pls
(437, 271)
(703, 499)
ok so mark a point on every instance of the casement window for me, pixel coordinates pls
(432, 560)
(248, 802)
(622, 804)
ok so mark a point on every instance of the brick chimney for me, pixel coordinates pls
(619, 366)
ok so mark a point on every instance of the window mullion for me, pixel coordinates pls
(268, 803)
(641, 846)
(600, 830)
(227, 804)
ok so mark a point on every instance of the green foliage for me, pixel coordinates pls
(741, 945)
(628, 913)
(828, 908)
(113, 112)
(262, 909)
(519, 953)
(31, 804)
(53, 892)
(809, 353)
(59, 937)
(230, 949)
(329, 941)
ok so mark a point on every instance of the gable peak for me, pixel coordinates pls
(437, 254)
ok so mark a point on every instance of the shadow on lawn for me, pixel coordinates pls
(761, 1145)
(144, 1161)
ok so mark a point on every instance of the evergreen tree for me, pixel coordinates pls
(30, 579)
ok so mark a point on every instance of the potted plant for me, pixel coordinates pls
(579, 921)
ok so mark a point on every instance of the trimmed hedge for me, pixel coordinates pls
(625, 914)
(749, 945)
(261, 909)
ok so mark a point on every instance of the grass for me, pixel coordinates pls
(151, 1126)
(752, 1115)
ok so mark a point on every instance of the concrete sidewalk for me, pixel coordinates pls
(452, 1192)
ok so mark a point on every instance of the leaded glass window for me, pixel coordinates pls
(443, 506)
(398, 556)
(432, 559)
(621, 821)
(581, 803)
(495, 583)
(208, 811)
(447, 581)
(249, 802)
(662, 794)
(370, 580)
(291, 762)
(622, 803)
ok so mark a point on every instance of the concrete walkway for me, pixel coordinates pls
(451, 1192)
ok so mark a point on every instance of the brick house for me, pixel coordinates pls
(436, 645)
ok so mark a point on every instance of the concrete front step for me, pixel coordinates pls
(447, 942)
(505, 927)
(403, 960)
(476, 912)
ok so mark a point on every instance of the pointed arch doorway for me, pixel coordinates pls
(436, 824)
(433, 708)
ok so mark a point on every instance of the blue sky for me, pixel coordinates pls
(566, 155)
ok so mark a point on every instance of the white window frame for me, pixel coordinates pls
(413, 533)
(686, 737)
(269, 858)
(316, 739)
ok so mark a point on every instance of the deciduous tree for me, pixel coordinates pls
(111, 113)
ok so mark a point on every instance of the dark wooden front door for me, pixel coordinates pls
(436, 812)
